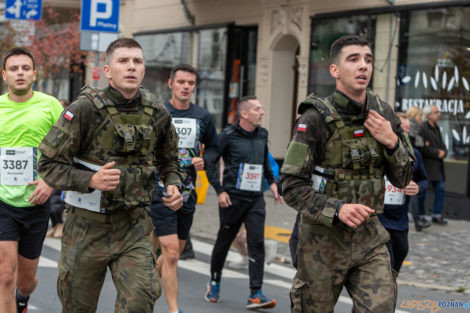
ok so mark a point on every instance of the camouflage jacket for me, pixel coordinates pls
(308, 148)
(79, 134)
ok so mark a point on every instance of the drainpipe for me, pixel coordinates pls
(188, 14)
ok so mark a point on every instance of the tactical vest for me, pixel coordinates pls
(352, 159)
(129, 139)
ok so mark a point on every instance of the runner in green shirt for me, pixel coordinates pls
(26, 117)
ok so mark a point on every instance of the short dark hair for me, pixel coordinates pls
(17, 51)
(183, 67)
(344, 41)
(121, 43)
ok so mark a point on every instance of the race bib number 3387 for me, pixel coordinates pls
(18, 166)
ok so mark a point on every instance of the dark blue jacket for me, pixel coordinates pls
(395, 217)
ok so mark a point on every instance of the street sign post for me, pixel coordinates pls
(23, 9)
(100, 15)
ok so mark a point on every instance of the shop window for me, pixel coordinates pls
(212, 50)
(324, 32)
(434, 69)
(161, 53)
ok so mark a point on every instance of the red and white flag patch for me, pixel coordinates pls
(68, 115)
(358, 133)
(302, 127)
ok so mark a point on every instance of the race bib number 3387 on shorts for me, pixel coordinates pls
(18, 166)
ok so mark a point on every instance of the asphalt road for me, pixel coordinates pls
(194, 274)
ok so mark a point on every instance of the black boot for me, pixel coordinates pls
(188, 252)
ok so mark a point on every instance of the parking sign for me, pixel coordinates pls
(100, 15)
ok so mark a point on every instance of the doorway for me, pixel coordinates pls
(283, 104)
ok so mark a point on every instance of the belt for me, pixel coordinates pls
(114, 217)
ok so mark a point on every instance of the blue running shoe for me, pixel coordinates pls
(258, 300)
(212, 294)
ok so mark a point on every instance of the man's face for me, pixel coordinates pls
(125, 70)
(353, 70)
(405, 124)
(182, 86)
(434, 116)
(254, 114)
(19, 74)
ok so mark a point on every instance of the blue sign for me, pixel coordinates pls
(23, 9)
(100, 15)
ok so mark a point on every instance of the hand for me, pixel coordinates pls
(353, 214)
(277, 197)
(412, 189)
(198, 163)
(442, 154)
(381, 129)
(106, 179)
(174, 200)
(41, 193)
(224, 200)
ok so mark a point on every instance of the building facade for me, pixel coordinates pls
(278, 50)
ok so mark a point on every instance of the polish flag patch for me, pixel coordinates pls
(302, 127)
(68, 115)
(358, 133)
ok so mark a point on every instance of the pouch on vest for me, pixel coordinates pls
(124, 139)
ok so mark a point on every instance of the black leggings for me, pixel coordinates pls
(252, 213)
(397, 247)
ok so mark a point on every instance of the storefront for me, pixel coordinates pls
(225, 56)
(431, 67)
(278, 50)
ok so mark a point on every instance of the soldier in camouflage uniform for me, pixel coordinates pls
(341, 148)
(111, 142)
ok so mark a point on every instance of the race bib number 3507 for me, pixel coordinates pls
(18, 166)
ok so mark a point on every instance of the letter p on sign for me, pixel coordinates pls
(95, 14)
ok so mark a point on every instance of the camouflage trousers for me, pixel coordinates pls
(329, 258)
(91, 245)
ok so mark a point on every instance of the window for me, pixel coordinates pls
(324, 33)
(434, 69)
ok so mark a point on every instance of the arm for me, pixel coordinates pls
(166, 151)
(398, 152)
(62, 143)
(210, 141)
(430, 149)
(419, 173)
(298, 166)
(212, 157)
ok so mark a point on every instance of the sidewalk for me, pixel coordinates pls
(439, 256)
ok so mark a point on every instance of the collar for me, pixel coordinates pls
(239, 129)
(119, 99)
(344, 104)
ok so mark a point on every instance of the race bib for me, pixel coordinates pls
(88, 201)
(18, 166)
(250, 177)
(186, 129)
(393, 195)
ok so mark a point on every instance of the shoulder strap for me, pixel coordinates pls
(327, 111)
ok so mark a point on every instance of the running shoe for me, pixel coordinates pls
(212, 294)
(21, 304)
(258, 300)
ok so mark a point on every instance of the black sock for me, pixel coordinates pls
(254, 291)
(20, 298)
